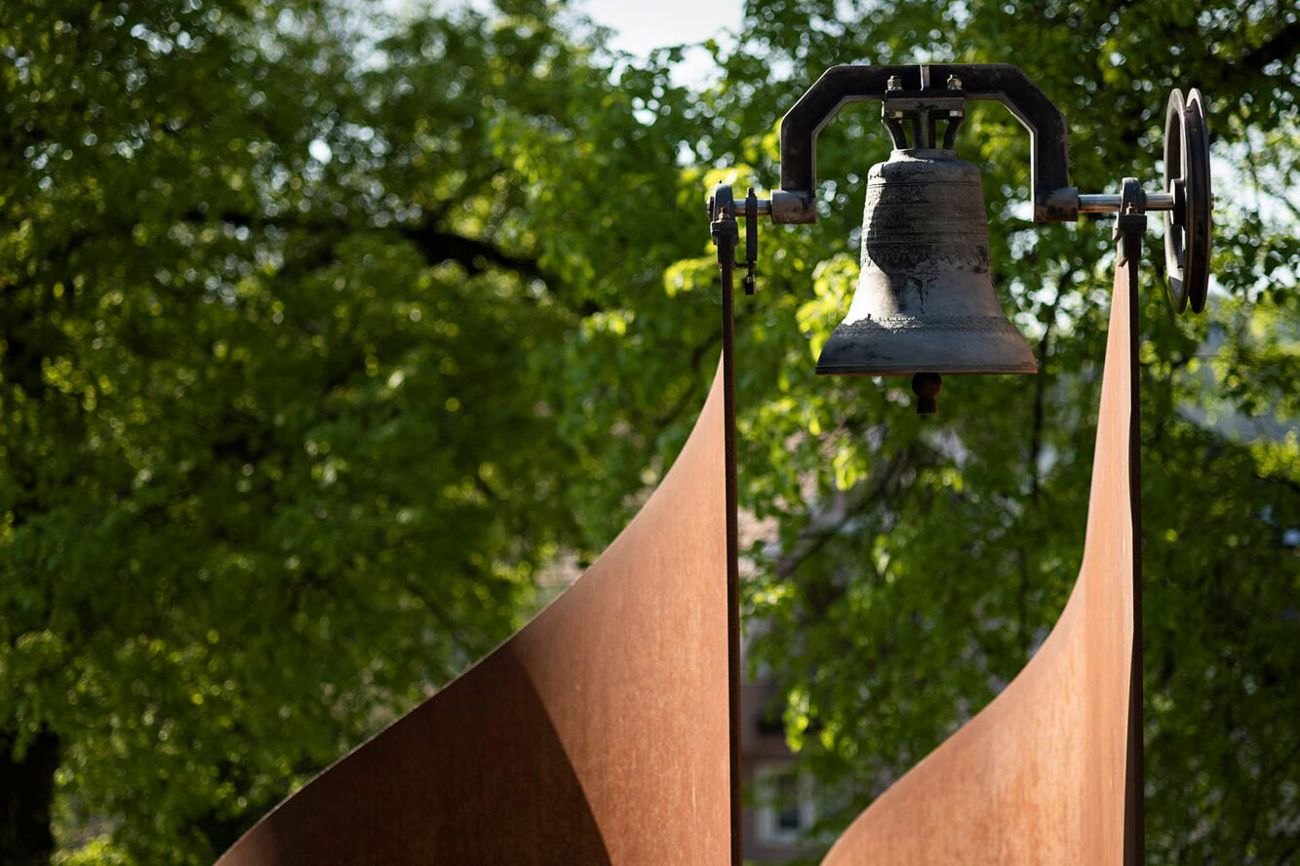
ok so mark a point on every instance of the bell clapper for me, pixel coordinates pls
(927, 386)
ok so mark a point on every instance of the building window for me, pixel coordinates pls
(784, 807)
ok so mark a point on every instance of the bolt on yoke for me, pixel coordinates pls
(925, 303)
(924, 110)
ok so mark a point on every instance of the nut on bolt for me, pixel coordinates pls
(954, 83)
(894, 83)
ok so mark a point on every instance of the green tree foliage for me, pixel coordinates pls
(325, 336)
(274, 455)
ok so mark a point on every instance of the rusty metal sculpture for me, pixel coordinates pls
(598, 734)
(606, 731)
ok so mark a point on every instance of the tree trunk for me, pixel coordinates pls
(26, 794)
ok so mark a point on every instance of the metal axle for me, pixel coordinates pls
(1110, 203)
(1088, 203)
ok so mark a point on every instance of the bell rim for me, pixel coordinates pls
(986, 370)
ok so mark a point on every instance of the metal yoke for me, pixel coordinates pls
(908, 88)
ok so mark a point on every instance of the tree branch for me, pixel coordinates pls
(474, 255)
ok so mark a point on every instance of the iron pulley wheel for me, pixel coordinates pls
(1187, 179)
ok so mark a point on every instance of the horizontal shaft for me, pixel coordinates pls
(1108, 203)
(1092, 203)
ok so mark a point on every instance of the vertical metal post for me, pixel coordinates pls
(1130, 224)
(725, 236)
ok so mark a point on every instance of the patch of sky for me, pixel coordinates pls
(638, 29)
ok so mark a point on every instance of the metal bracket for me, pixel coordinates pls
(925, 110)
(1131, 221)
(1054, 199)
(725, 232)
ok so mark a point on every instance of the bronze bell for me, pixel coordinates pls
(925, 302)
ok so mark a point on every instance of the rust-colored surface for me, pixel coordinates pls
(596, 735)
(1050, 772)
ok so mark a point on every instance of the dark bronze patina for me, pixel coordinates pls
(925, 300)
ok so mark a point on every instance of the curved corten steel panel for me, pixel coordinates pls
(1050, 772)
(596, 735)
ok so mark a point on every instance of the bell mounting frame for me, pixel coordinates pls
(909, 91)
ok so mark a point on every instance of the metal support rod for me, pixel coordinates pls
(762, 207)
